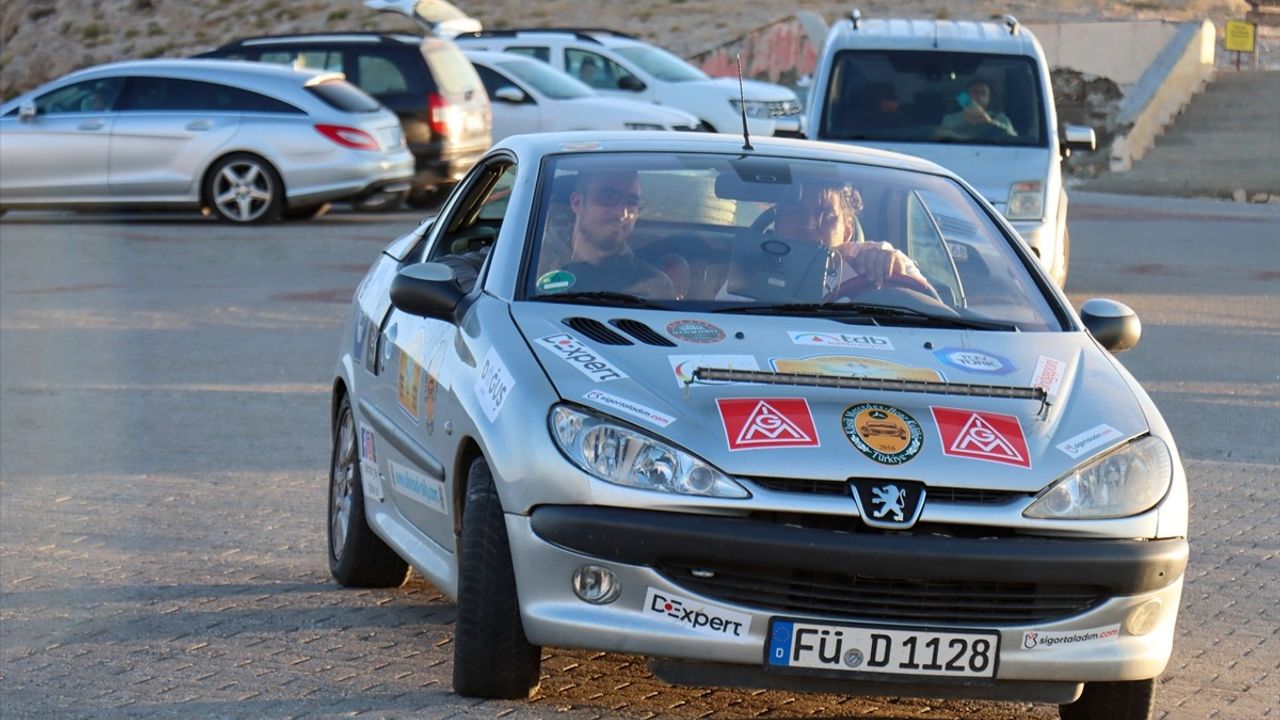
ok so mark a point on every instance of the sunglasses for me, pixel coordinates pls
(613, 199)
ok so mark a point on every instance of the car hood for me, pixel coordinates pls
(629, 111)
(1009, 444)
(751, 89)
(990, 169)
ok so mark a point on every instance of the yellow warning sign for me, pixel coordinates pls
(1239, 37)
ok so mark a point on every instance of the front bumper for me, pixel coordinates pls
(549, 545)
(347, 174)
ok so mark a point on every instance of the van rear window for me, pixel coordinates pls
(344, 96)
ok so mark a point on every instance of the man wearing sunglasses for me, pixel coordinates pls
(826, 213)
(606, 206)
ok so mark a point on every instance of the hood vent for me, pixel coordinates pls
(641, 332)
(597, 331)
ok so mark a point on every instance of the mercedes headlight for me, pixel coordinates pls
(1026, 201)
(1121, 483)
(625, 456)
(643, 126)
(755, 108)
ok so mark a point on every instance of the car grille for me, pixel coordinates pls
(965, 496)
(783, 108)
(783, 590)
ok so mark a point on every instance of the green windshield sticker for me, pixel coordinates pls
(555, 281)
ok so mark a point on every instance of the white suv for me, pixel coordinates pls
(974, 97)
(620, 65)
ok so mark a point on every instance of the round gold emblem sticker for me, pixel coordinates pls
(883, 433)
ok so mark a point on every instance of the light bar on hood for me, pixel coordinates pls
(864, 383)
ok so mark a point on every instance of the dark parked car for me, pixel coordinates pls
(427, 82)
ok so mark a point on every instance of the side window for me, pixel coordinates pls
(594, 69)
(469, 231)
(536, 52)
(305, 59)
(178, 95)
(379, 76)
(493, 80)
(252, 102)
(82, 97)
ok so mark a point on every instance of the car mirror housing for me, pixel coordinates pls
(630, 82)
(1079, 137)
(509, 93)
(1113, 324)
(27, 111)
(427, 290)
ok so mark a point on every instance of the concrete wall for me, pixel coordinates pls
(784, 51)
(1181, 70)
(1119, 50)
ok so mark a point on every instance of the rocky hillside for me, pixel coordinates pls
(42, 39)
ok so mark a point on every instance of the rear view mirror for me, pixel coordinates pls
(427, 290)
(510, 94)
(1113, 324)
(630, 82)
(27, 111)
(1079, 137)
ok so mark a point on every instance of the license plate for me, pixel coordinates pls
(803, 645)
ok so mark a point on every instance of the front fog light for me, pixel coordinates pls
(596, 585)
(1144, 618)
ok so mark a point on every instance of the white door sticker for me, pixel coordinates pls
(494, 386)
(416, 486)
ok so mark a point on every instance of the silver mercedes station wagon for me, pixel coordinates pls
(771, 413)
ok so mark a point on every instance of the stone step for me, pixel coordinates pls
(1267, 143)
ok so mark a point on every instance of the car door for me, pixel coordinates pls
(510, 116)
(61, 152)
(167, 131)
(605, 75)
(413, 396)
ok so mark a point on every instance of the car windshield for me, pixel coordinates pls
(712, 232)
(661, 64)
(546, 79)
(930, 96)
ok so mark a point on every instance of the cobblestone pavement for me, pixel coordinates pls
(163, 448)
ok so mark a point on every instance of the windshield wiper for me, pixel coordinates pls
(875, 313)
(603, 297)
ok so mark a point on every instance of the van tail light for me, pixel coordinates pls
(443, 117)
(349, 137)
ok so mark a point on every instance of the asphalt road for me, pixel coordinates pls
(164, 449)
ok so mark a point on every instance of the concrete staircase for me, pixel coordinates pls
(1227, 140)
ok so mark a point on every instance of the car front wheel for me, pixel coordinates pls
(244, 188)
(491, 656)
(1133, 700)
(357, 557)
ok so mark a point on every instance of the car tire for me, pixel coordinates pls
(243, 188)
(1132, 700)
(357, 557)
(307, 212)
(491, 656)
(380, 201)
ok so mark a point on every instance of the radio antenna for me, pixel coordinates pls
(742, 105)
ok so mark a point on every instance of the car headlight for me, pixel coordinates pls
(755, 108)
(1026, 201)
(625, 456)
(1125, 482)
(643, 126)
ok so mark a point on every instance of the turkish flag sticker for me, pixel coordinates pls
(751, 423)
(982, 436)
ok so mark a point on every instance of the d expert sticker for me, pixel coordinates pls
(576, 353)
(699, 617)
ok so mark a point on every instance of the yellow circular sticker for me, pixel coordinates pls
(883, 433)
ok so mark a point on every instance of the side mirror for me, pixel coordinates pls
(427, 290)
(1111, 323)
(27, 111)
(510, 94)
(1079, 137)
(630, 82)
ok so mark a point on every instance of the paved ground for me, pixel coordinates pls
(163, 449)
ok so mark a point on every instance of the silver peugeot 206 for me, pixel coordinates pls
(772, 413)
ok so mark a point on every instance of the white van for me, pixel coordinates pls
(618, 65)
(974, 97)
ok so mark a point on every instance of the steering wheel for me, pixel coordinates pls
(896, 290)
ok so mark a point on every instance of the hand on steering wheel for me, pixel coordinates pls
(865, 283)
